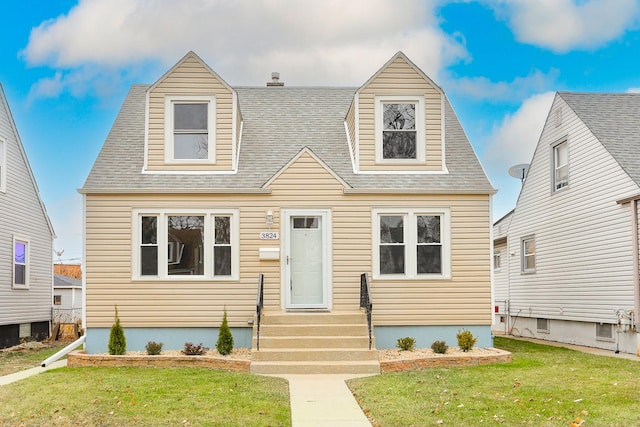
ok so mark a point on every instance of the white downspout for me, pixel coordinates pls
(68, 349)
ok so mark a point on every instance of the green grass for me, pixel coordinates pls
(145, 397)
(19, 360)
(542, 386)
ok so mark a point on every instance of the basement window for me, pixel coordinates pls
(604, 332)
(542, 325)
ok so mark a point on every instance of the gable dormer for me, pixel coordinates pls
(192, 121)
(395, 121)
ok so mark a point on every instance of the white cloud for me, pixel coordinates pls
(633, 90)
(518, 88)
(66, 216)
(564, 25)
(514, 140)
(327, 42)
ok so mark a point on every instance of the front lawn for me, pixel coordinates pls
(18, 359)
(145, 397)
(542, 386)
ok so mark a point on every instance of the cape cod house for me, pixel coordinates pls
(26, 242)
(202, 188)
(569, 255)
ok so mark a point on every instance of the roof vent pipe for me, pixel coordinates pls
(275, 80)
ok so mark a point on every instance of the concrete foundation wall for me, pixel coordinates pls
(172, 338)
(570, 332)
(387, 336)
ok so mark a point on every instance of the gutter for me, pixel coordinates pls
(68, 349)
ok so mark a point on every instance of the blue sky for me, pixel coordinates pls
(66, 67)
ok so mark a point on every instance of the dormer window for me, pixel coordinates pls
(399, 129)
(190, 129)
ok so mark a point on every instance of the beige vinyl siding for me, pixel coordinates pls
(22, 216)
(191, 77)
(306, 184)
(400, 78)
(584, 265)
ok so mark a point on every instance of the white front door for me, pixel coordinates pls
(307, 249)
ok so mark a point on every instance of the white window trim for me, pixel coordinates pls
(420, 127)
(27, 269)
(410, 242)
(523, 268)
(169, 101)
(3, 166)
(162, 215)
(554, 167)
(497, 255)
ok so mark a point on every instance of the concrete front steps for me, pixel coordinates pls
(314, 343)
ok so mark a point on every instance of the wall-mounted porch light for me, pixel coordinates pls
(269, 218)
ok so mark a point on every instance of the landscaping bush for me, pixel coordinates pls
(406, 344)
(191, 349)
(117, 340)
(224, 345)
(439, 347)
(466, 340)
(153, 348)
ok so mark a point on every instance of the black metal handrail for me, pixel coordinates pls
(259, 306)
(365, 301)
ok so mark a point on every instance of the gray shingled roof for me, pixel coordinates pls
(614, 118)
(277, 124)
(61, 281)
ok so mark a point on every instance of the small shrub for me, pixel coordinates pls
(224, 345)
(191, 349)
(406, 344)
(466, 340)
(117, 340)
(153, 348)
(439, 347)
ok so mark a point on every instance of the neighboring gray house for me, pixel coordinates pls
(67, 299)
(26, 242)
(571, 255)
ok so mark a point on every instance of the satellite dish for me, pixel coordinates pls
(519, 171)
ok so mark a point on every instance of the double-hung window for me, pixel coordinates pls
(3, 166)
(560, 165)
(20, 263)
(190, 129)
(528, 254)
(399, 129)
(411, 244)
(497, 261)
(186, 244)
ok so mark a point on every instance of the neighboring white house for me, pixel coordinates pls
(26, 242)
(569, 266)
(67, 299)
(500, 280)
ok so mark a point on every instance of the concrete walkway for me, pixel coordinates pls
(12, 378)
(324, 400)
